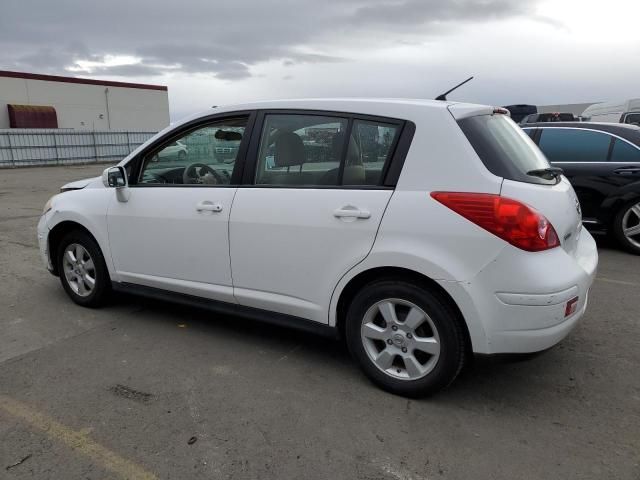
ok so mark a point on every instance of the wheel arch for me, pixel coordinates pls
(399, 273)
(616, 202)
(57, 233)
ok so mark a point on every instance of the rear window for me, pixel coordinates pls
(504, 148)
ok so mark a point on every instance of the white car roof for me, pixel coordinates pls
(385, 107)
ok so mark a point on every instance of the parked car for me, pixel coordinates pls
(175, 151)
(518, 112)
(602, 161)
(548, 117)
(461, 239)
(626, 111)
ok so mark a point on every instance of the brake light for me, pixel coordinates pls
(509, 219)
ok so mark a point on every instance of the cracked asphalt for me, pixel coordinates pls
(148, 390)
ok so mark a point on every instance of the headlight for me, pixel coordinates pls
(48, 206)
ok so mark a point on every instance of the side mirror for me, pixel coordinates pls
(114, 177)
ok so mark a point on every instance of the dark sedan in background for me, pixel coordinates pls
(602, 161)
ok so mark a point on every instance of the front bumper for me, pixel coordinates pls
(517, 303)
(43, 242)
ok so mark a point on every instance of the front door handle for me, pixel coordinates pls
(349, 211)
(627, 170)
(207, 206)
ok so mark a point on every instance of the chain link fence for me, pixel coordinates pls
(33, 147)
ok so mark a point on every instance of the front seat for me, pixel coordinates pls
(288, 152)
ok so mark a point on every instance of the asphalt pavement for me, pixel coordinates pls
(143, 389)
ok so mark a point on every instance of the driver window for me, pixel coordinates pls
(205, 156)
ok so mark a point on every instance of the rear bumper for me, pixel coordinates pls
(517, 303)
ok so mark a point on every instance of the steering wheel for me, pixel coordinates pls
(200, 173)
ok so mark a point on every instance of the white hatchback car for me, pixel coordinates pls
(422, 231)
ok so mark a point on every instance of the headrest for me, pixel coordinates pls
(289, 150)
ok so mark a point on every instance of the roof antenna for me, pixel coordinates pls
(444, 95)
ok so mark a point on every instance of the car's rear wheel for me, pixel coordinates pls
(82, 270)
(626, 227)
(406, 338)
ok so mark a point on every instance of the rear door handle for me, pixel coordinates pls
(207, 206)
(627, 170)
(349, 211)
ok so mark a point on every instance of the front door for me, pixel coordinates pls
(173, 232)
(312, 210)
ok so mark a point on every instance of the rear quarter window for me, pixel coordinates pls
(624, 152)
(504, 148)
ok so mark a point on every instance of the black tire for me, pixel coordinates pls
(443, 317)
(618, 230)
(102, 288)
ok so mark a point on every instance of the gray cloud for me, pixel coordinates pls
(221, 39)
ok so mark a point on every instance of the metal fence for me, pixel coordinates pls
(31, 147)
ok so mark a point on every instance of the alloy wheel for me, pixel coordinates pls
(631, 225)
(400, 339)
(79, 269)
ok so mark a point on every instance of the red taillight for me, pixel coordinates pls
(513, 221)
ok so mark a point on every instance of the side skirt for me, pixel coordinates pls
(273, 318)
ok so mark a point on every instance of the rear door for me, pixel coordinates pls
(583, 156)
(597, 163)
(310, 207)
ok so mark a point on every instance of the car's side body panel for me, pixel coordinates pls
(160, 238)
(293, 234)
(88, 208)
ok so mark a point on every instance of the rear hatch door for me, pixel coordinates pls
(507, 151)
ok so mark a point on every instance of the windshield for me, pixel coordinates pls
(504, 148)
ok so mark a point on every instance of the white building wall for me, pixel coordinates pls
(89, 107)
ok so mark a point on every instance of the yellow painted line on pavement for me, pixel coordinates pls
(77, 440)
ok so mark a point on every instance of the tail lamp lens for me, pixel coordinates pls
(511, 220)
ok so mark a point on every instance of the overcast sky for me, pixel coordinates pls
(211, 52)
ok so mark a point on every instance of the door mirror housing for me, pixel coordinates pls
(114, 177)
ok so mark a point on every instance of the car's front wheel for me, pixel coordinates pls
(406, 337)
(82, 270)
(626, 227)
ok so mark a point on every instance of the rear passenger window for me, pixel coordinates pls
(624, 152)
(314, 150)
(300, 150)
(569, 145)
(370, 147)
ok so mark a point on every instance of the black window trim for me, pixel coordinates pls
(612, 135)
(191, 126)
(390, 172)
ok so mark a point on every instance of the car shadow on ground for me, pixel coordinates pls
(481, 372)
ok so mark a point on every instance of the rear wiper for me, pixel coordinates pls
(549, 173)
